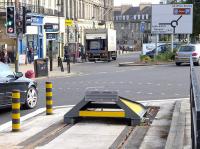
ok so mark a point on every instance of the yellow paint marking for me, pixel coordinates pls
(135, 107)
(118, 114)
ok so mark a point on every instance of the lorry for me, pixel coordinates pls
(100, 44)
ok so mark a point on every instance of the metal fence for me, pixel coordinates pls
(195, 107)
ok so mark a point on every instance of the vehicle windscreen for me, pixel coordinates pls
(95, 45)
(187, 49)
(5, 70)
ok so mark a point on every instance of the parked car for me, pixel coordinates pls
(161, 49)
(184, 53)
(10, 81)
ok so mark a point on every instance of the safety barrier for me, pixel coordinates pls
(49, 100)
(15, 110)
(195, 107)
(106, 104)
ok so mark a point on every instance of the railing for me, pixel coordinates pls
(195, 107)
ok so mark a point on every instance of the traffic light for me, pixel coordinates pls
(19, 24)
(24, 19)
(10, 20)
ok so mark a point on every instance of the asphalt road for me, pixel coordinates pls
(160, 82)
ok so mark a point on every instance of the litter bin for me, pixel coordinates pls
(41, 67)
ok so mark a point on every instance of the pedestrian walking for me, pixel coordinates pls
(66, 53)
(29, 55)
(6, 57)
(2, 56)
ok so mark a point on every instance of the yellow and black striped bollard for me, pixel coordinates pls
(49, 101)
(15, 110)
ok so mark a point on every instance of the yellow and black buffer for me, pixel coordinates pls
(49, 100)
(106, 104)
(15, 110)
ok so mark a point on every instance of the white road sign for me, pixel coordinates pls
(173, 18)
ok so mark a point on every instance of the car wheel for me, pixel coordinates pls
(178, 63)
(197, 63)
(31, 98)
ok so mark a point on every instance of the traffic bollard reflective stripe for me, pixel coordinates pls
(15, 111)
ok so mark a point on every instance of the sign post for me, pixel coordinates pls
(142, 28)
(172, 19)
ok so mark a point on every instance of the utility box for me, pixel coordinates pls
(41, 67)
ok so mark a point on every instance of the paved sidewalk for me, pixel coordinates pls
(55, 73)
(101, 134)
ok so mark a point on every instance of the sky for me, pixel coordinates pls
(134, 2)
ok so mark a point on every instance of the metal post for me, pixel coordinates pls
(49, 101)
(156, 44)
(172, 43)
(50, 55)
(16, 55)
(68, 65)
(15, 110)
(58, 4)
(188, 38)
(17, 38)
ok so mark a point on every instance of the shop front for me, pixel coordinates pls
(54, 32)
(33, 40)
(52, 36)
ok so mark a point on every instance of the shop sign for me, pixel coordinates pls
(68, 22)
(51, 36)
(35, 20)
(49, 27)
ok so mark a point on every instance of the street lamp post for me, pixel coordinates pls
(58, 38)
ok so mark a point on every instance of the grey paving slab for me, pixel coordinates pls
(86, 136)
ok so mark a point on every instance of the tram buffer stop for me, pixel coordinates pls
(106, 104)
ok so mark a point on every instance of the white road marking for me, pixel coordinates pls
(149, 83)
(160, 100)
(138, 92)
(102, 72)
(30, 115)
(163, 94)
(177, 94)
(149, 93)
(120, 71)
(158, 84)
(127, 91)
(169, 84)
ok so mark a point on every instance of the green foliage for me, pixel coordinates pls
(146, 59)
(167, 56)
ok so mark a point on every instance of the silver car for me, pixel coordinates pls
(184, 53)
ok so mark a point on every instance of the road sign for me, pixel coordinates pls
(172, 18)
(68, 22)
